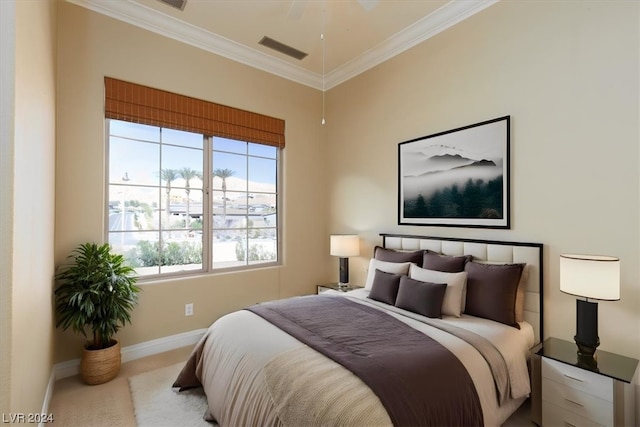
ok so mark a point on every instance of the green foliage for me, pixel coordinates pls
(256, 253)
(223, 174)
(148, 210)
(240, 252)
(151, 254)
(476, 200)
(188, 174)
(146, 253)
(168, 175)
(175, 253)
(96, 291)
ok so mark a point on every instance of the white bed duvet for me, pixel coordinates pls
(255, 374)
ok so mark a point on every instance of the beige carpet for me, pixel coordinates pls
(156, 404)
(75, 404)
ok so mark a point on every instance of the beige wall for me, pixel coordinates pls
(91, 46)
(567, 73)
(29, 203)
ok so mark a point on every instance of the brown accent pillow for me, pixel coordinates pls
(421, 297)
(385, 287)
(447, 263)
(522, 287)
(392, 255)
(492, 290)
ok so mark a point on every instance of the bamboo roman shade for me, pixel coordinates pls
(141, 104)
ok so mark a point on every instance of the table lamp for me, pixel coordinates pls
(592, 277)
(344, 246)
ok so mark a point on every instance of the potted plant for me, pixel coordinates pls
(96, 291)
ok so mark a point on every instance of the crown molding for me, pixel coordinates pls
(153, 20)
(427, 27)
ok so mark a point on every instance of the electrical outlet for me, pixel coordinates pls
(188, 309)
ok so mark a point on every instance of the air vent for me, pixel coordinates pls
(282, 48)
(178, 4)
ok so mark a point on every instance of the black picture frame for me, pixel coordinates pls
(457, 178)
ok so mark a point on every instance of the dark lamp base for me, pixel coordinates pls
(588, 362)
(586, 349)
(586, 337)
(344, 270)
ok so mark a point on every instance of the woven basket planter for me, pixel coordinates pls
(100, 366)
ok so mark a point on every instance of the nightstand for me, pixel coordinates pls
(579, 393)
(335, 287)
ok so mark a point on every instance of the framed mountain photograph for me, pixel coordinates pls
(456, 178)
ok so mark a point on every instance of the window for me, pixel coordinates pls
(189, 199)
(164, 209)
(244, 204)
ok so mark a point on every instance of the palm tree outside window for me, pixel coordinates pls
(223, 174)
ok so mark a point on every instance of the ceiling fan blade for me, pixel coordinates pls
(296, 9)
(368, 5)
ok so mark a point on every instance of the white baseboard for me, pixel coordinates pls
(66, 369)
(161, 345)
(133, 352)
(47, 396)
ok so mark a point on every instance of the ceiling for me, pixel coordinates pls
(357, 34)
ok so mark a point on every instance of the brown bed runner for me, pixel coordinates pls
(419, 381)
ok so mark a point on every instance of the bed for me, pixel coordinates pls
(420, 344)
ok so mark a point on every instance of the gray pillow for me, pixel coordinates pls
(492, 290)
(385, 287)
(392, 255)
(421, 297)
(447, 263)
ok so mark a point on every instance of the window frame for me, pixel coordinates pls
(207, 209)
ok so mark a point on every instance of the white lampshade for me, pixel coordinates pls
(345, 245)
(590, 276)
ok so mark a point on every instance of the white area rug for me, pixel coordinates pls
(156, 404)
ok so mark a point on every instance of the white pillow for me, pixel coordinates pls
(387, 267)
(456, 282)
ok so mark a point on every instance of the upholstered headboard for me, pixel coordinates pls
(488, 250)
